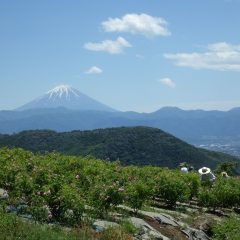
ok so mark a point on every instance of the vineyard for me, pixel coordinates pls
(73, 191)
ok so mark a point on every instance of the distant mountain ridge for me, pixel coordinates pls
(65, 109)
(129, 145)
(65, 96)
(187, 125)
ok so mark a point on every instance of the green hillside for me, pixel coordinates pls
(55, 191)
(130, 145)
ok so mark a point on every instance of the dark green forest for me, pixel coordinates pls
(130, 145)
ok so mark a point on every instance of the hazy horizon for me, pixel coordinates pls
(160, 107)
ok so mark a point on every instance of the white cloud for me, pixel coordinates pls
(112, 47)
(137, 24)
(94, 70)
(167, 82)
(219, 56)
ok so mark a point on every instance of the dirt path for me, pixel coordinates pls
(169, 231)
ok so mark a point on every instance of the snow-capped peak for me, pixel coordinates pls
(62, 90)
(67, 97)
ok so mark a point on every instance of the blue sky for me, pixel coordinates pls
(135, 55)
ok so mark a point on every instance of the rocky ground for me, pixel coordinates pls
(187, 221)
(160, 223)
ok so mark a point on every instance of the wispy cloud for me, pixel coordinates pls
(109, 46)
(219, 56)
(94, 70)
(167, 82)
(143, 24)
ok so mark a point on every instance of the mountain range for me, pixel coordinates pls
(189, 125)
(65, 109)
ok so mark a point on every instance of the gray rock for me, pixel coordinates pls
(145, 230)
(3, 194)
(22, 208)
(100, 225)
(11, 209)
(194, 234)
(163, 218)
(26, 216)
(169, 212)
(160, 217)
(191, 233)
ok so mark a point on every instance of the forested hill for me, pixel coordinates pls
(130, 145)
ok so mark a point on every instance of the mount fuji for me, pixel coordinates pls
(67, 97)
(66, 109)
